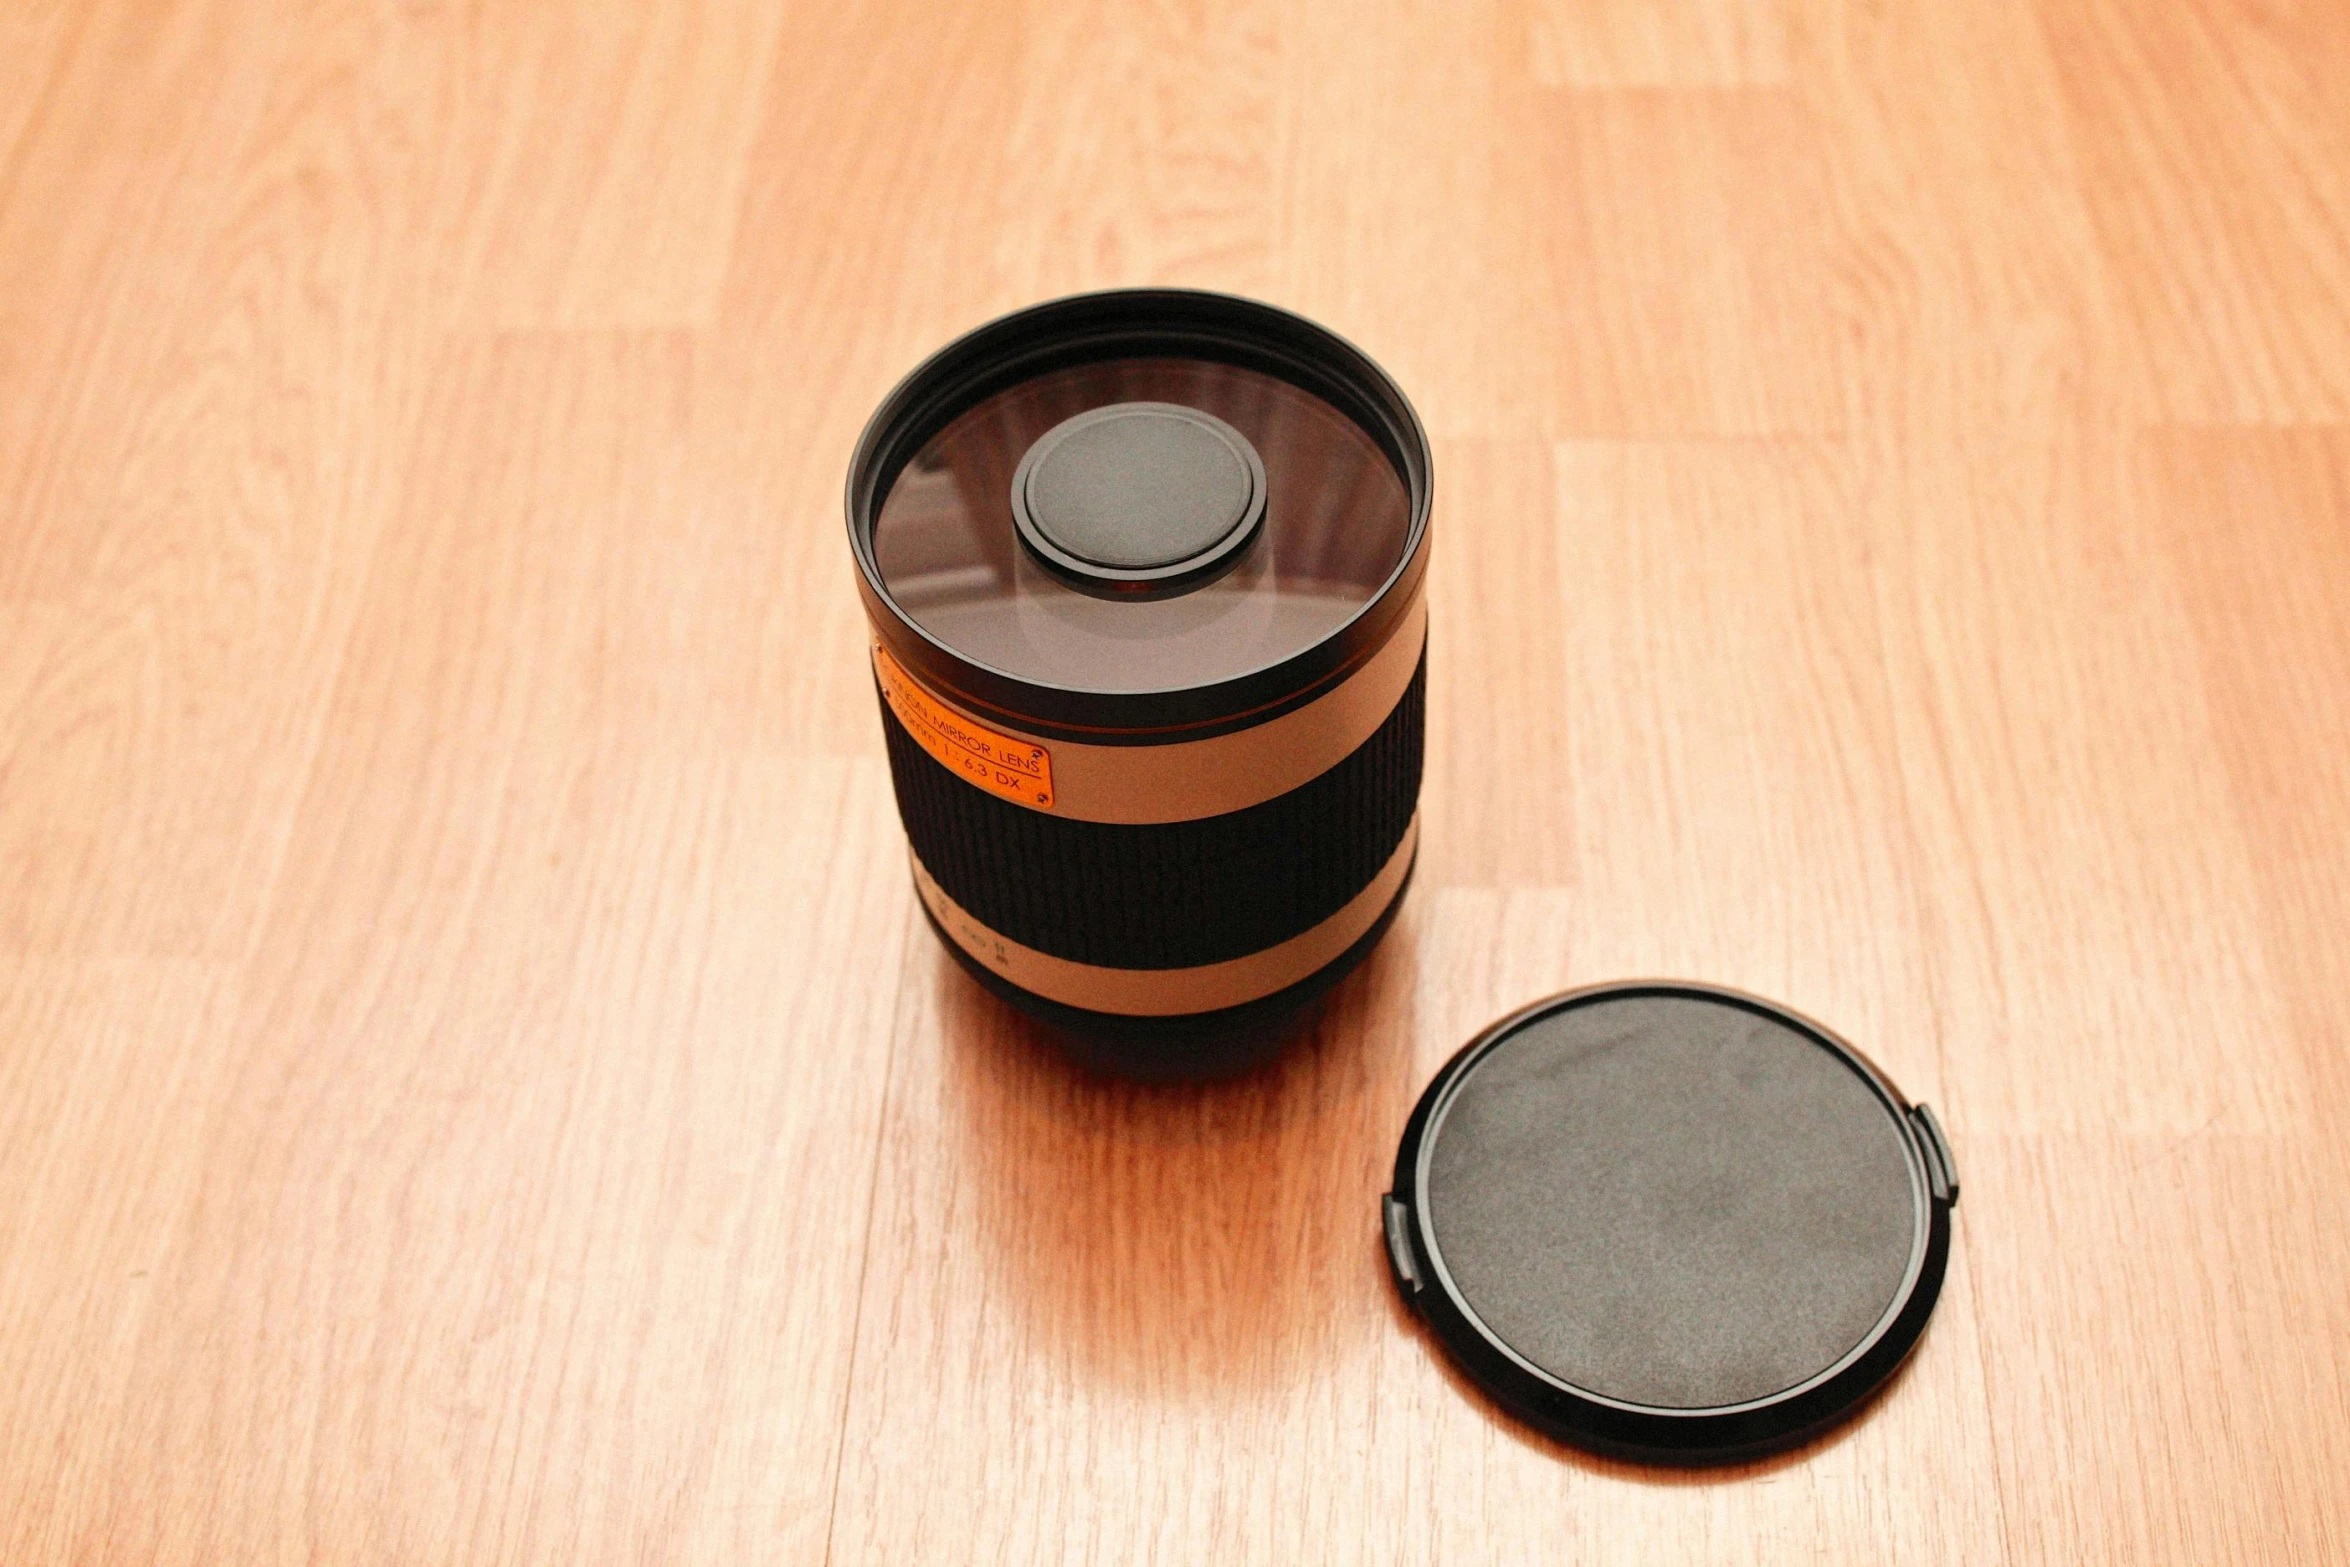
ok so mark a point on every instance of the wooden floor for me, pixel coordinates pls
(475, 1087)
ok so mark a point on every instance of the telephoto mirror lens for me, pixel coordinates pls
(1145, 575)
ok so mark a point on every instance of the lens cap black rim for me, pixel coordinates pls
(1645, 1433)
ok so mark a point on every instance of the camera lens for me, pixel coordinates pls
(1144, 572)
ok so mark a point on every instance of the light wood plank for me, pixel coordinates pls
(1689, 251)
(1623, 43)
(1101, 1320)
(1966, 277)
(475, 1086)
(1497, 795)
(523, 1063)
(594, 158)
(2214, 138)
(2093, 891)
(208, 387)
(1415, 211)
(2182, 1396)
(2257, 523)
(102, 1147)
(1736, 793)
(1146, 146)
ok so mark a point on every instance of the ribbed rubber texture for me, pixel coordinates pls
(1174, 894)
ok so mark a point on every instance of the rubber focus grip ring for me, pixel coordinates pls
(1174, 894)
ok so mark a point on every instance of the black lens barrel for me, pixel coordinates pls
(1135, 856)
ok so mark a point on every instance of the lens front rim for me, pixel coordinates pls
(1136, 323)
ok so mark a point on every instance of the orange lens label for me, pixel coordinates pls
(1019, 770)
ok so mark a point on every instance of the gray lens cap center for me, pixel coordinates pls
(1671, 1201)
(1139, 496)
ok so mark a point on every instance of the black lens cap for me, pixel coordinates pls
(1670, 1222)
(1139, 496)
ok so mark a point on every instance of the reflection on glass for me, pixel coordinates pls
(1336, 518)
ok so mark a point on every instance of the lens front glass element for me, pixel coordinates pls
(1336, 524)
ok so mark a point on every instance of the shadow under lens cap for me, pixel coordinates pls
(1670, 1222)
(1139, 498)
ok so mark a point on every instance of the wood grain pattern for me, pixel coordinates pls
(1621, 43)
(475, 1085)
